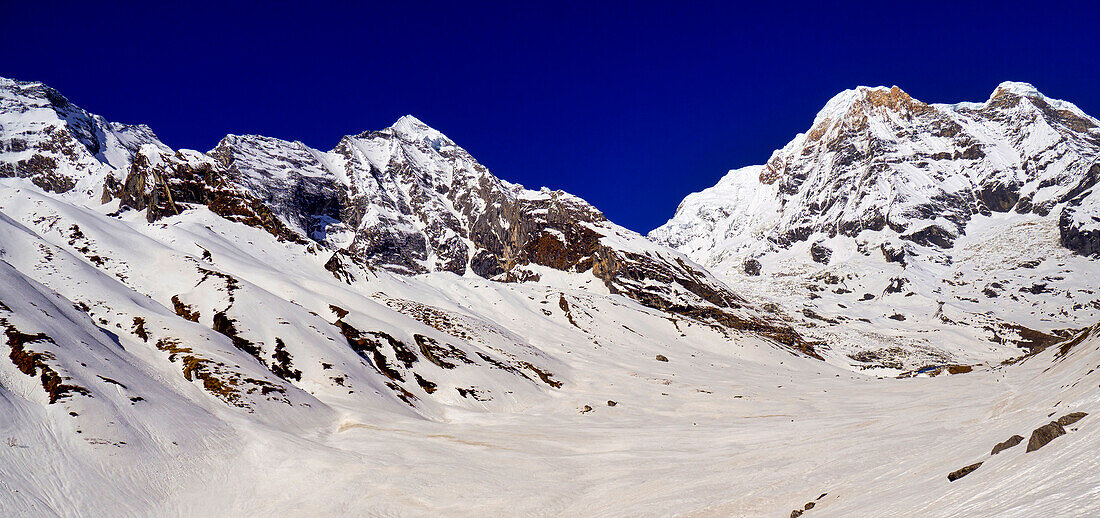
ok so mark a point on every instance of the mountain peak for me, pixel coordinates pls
(416, 129)
(893, 98)
(1027, 91)
(845, 98)
(409, 121)
(1018, 88)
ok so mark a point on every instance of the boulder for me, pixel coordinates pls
(1010, 442)
(751, 267)
(1043, 435)
(960, 473)
(1069, 419)
(820, 253)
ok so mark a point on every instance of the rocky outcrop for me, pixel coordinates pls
(1079, 222)
(290, 178)
(39, 363)
(820, 253)
(1008, 443)
(164, 184)
(751, 267)
(962, 472)
(1044, 434)
(1071, 418)
(674, 285)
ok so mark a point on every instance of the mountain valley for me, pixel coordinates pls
(858, 327)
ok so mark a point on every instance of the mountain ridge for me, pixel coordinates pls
(405, 198)
(268, 328)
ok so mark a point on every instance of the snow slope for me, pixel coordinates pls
(727, 426)
(199, 334)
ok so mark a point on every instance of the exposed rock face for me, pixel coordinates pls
(751, 267)
(1079, 222)
(408, 199)
(290, 178)
(61, 148)
(163, 184)
(820, 253)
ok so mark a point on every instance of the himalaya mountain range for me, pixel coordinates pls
(858, 326)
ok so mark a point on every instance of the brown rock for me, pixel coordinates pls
(661, 358)
(820, 253)
(960, 473)
(751, 267)
(1069, 419)
(1043, 435)
(1012, 441)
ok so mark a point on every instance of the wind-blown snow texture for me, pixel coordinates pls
(387, 328)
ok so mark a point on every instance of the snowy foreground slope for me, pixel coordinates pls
(388, 329)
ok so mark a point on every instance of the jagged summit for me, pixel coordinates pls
(1009, 91)
(413, 129)
(843, 100)
(33, 89)
(59, 146)
(891, 96)
(1018, 88)
(412, 125)
(895, 98)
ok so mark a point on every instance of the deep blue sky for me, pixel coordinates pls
(630, 106)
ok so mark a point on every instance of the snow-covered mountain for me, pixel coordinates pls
(875, 158)
(914, 223)
(387, 328)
